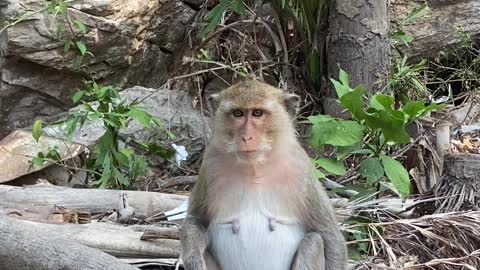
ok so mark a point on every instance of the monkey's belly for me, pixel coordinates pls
(255, 242)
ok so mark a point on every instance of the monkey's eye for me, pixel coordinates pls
(237, 113)
(257, 113)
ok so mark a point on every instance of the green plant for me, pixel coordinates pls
(308, 18)
(381, 123)
(116, 167)
(399, 35)
(77, 29)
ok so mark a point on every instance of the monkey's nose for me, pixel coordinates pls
(247, 138)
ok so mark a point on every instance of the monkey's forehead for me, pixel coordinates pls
(251, 92)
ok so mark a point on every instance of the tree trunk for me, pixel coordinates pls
(459, 187)
(358, 43)
(27, 247)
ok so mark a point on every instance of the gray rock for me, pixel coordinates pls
(133, 43)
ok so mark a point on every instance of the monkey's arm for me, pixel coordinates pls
(323, 247)
(193, 234)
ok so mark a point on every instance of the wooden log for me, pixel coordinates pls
(25, 246)
(93, 200)
(445, 25)
(116, 240)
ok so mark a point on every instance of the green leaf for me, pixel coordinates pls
(372, 170)
(416, 13)
(332, 166)
(344, 151)
(37, 130)
(343, 76)
(318, 174)
(78, 96)
(120, 177)
(320, 118)
(141, 116)
(81, 47)
(397, 174)
(38, 161)
(67, 46)
(238, 7)
(353, 102)
(336, 133)
(80, 26)
(215, 16)
(340, 88)
(400, 36)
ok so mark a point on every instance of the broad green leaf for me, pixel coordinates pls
(81, 48)
(80, 26)
(336, 133)
(372, 170)
(353, 102)
(238, 7)
(78, 96)
(347, 133)
(343, 76)
(37, 130)
(344, 151)
(141, 117)
(318, 174)
(332, 166)
(393, 128)
(320, 118)
(381, 102)
(397, 174)
(340, 88)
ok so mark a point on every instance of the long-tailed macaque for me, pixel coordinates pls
(257, 204)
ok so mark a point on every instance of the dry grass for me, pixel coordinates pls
(440, 241)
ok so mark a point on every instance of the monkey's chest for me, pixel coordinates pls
(253, 240)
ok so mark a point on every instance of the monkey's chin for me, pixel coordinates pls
(251, 156)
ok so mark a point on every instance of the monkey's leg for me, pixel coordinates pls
(210, 261)
(310, 253)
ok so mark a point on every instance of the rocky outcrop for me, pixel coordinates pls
(133, 42)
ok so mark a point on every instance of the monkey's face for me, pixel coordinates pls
(252, 120)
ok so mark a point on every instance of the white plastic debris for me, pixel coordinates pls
(181, 155)
(178, 213)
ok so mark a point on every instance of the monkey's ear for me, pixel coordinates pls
(292, 103)
(213, 101)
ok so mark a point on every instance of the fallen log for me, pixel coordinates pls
(116, 240)
(25, 246)
(445, 25)
(93, 200)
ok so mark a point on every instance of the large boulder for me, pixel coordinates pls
(134, 42)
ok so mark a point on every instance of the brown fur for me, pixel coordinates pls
(278, 179)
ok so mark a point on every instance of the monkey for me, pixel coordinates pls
(256, 204)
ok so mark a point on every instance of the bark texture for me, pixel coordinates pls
(358, 43)
(26, 247)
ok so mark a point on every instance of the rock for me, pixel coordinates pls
(132, 42)
(173, 108)
(18, 149)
